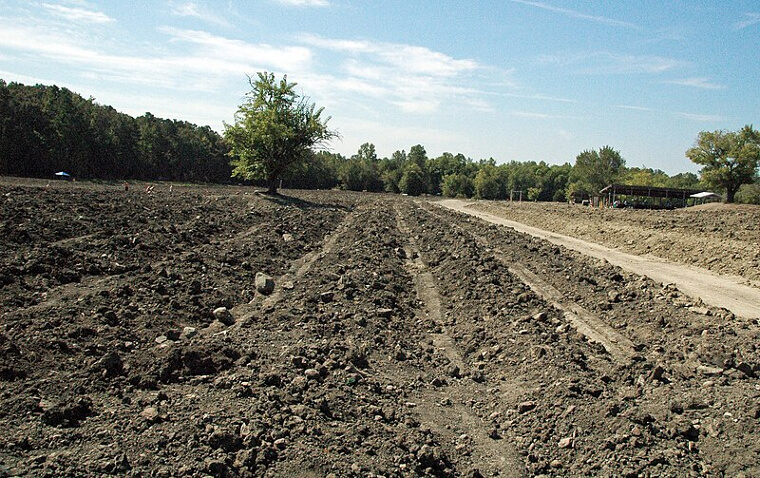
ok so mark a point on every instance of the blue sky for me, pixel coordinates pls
(509, 79)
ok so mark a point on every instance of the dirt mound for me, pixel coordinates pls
(398, 339)
(722, 238)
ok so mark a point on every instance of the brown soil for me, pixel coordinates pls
(724, 238)
(400, 339)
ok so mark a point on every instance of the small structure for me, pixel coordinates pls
(706, 196)
(646, 197)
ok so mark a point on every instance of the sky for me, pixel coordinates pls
(511, 80)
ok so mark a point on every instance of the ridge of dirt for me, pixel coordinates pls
(721, 238)
(703, 285)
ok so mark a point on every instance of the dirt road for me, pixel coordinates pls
(717, 290)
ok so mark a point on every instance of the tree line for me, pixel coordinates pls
(46, 129)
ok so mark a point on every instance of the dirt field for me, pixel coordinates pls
(724, 238)
(393, 338)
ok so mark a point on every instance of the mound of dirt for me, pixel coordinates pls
(719, 237)
(209, 331)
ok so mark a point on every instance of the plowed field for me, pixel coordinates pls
(210, 331)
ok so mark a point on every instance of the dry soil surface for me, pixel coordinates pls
(724, 238)
(362, 335)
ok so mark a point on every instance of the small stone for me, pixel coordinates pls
(264, 283)
(281, 443)
(613, 296)
(384, 313)
(526, 406)
(709, 371)
(566, 442)
(312, 373)
(189, 332)
(287, 237)
(223, 315)
(150, 414)
(161, 339)
(326, 297)
(555, 464)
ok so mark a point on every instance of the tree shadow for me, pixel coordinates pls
(283, 200)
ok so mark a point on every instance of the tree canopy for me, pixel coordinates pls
(594, 170)
(274, 129)
(729, 159)
(45, 129)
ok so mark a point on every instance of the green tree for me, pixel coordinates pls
(489, 182)
(457, 185)
(413, 180)
(594, 170)
(274, 129)
(728, 158)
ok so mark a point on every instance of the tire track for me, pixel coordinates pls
(620, 348)
(298, 268)
(447, 411)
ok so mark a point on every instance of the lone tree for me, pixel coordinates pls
(594, 170)
(728, 158)
(274, 129)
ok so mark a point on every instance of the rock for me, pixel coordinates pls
(566, 442)
(384, 313)
(555, 464)
(287, 237)
(161, 339)
(151, 414)
(189, 332)
(709, 371)
(326, 296)
(746, 369)
(264, 283)
(223, 315)
(311, 373)
(700, 310)
(110, 365)
(613, 296)
(526, 406)
(66, 414)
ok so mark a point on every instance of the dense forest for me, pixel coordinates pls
(46, 129)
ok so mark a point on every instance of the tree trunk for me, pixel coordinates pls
(272, 185)
(730, 192)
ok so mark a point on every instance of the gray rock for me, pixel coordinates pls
(709, 371)
(223, 315)
(264, 283)
(189, 332)
(526, 406)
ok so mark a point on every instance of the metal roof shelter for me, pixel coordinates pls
(669, 195)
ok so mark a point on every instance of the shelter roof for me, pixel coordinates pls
(648, 191)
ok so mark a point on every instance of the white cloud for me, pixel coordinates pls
(634, 108)
(701, 118)
(577, 14)
(750, 19)
(78, 14)
(602, 63)
(529, 114)
(206, 68)
(413, 78)
(703, 83)
(305, 3)
(196, 10)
